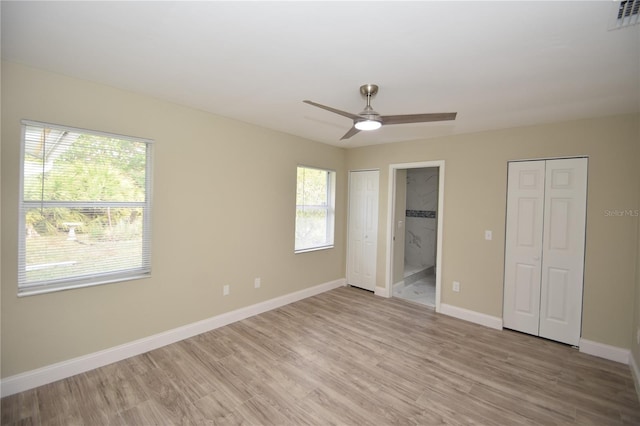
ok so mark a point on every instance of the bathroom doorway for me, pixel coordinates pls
(416, 229)
(420, 226)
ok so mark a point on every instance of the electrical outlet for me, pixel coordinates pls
(225, 290)
(488, 235)
(456, 286)
(256, 283)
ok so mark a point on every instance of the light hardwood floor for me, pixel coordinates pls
(343, 357)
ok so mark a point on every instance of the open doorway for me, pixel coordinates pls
(415, 228)
(418, 282)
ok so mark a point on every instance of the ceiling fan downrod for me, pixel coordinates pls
(371, 119)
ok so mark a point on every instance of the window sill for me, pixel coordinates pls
(70, 286)
(307, 250)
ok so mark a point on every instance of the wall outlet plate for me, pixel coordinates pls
(256, 283)
(456, 286)
(225, 290)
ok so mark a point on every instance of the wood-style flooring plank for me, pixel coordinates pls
(344, 357)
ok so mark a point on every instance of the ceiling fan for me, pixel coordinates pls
(369, 119)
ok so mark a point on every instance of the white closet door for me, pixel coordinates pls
(544, 249)
(523, 248)
(363, 229)
(563, 252)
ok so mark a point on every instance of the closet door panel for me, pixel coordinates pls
(563, 250)
(525, 208)
(363, 229)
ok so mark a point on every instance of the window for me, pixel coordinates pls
(315, 209)
(85, 208)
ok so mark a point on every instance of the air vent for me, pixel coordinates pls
(628, 8)
(625, 14)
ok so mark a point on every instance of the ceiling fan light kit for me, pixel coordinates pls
(367, 125)
(369, 119)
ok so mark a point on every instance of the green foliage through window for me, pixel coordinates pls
(315, 201)
(85, 207)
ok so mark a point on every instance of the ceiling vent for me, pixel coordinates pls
(624, 14)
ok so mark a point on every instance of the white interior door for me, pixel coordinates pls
(563, 251)
(523, 247)
(363, 229)
(544, 250)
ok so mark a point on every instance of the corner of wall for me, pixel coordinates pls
(634, 357)
(635, 374)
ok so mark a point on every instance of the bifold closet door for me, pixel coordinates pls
(363, 229)
(544, 250)
(523, 246)
(563, 250)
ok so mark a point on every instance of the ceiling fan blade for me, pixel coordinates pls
(418, 118)
(336, 111)
(352, 131)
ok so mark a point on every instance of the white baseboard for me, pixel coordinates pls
(612, 353)
(382, 291)
(635, 373)
(51, 373)
(471, 316)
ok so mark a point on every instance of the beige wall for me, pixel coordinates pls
(243, 177)
(475, 199)
(224, 210)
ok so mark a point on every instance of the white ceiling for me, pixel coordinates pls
(498, 64)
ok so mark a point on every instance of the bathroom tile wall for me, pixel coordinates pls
(420, 221)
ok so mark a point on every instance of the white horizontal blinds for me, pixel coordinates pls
(314, 208)
(85, 208)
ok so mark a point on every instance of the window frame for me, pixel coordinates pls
(330, 208)
(25, 288)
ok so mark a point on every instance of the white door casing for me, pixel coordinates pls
(544, 248)
(363, 229)
(387, 291)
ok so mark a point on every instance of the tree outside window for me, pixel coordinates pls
(315, 209)
(85, 208)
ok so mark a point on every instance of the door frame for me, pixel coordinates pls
(391, 220)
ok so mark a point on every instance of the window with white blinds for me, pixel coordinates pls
(315, 209)
(85, 208)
